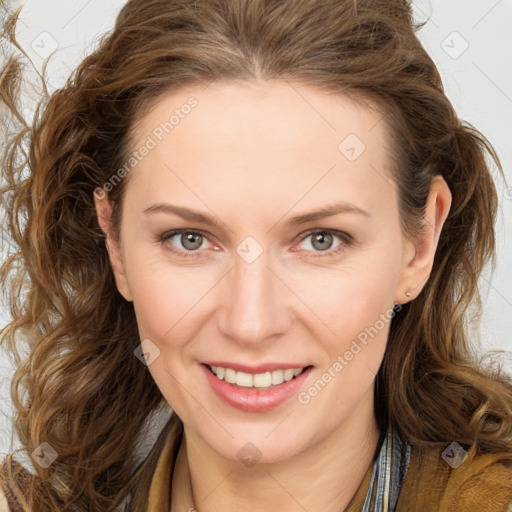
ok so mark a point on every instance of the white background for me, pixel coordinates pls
(469, 40)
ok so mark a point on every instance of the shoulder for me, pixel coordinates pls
(449, 478)
(487, 478)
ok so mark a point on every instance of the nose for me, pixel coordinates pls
(253, 308)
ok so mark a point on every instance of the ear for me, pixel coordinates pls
(419, 254)
(104, 213)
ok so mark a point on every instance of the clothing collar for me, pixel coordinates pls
(388, 473)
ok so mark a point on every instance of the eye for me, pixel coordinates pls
(321, 241)
(190, 241)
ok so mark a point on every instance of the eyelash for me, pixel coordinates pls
(344, 237)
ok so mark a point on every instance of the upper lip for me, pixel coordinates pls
(259, 368)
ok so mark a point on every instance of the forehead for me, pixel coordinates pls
(267, 108)
(263, 139)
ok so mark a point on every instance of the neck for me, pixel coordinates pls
(325, 476)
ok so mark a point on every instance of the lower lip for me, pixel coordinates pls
(254, 399)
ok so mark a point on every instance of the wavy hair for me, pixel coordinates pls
(79, 387)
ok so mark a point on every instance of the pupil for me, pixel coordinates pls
(322, 238)
(187, 238)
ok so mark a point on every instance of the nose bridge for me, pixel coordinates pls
(252, 309)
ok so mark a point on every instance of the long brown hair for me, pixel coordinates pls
(80, 388)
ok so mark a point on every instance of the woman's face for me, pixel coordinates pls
(259, 281)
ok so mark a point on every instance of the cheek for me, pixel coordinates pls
(162, 303)
(358, 316)
(354, 309)
(170, 301)
(161, 294)
(353, 296)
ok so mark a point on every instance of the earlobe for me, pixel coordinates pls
(104, 214)
(419, 257)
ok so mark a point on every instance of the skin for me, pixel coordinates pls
(254, 155)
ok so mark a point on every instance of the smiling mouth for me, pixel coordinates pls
(263, 380)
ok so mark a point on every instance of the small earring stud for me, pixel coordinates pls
(408, 294)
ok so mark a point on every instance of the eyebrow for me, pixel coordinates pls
(327, 211)
(184, 213)
(196, 216)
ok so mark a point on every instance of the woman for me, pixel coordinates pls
(266, 216)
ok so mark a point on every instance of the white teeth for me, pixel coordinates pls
(277, 377)
(258, 380)
(243, 379)
(262, 380)
(288, 374)
(229, 375)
